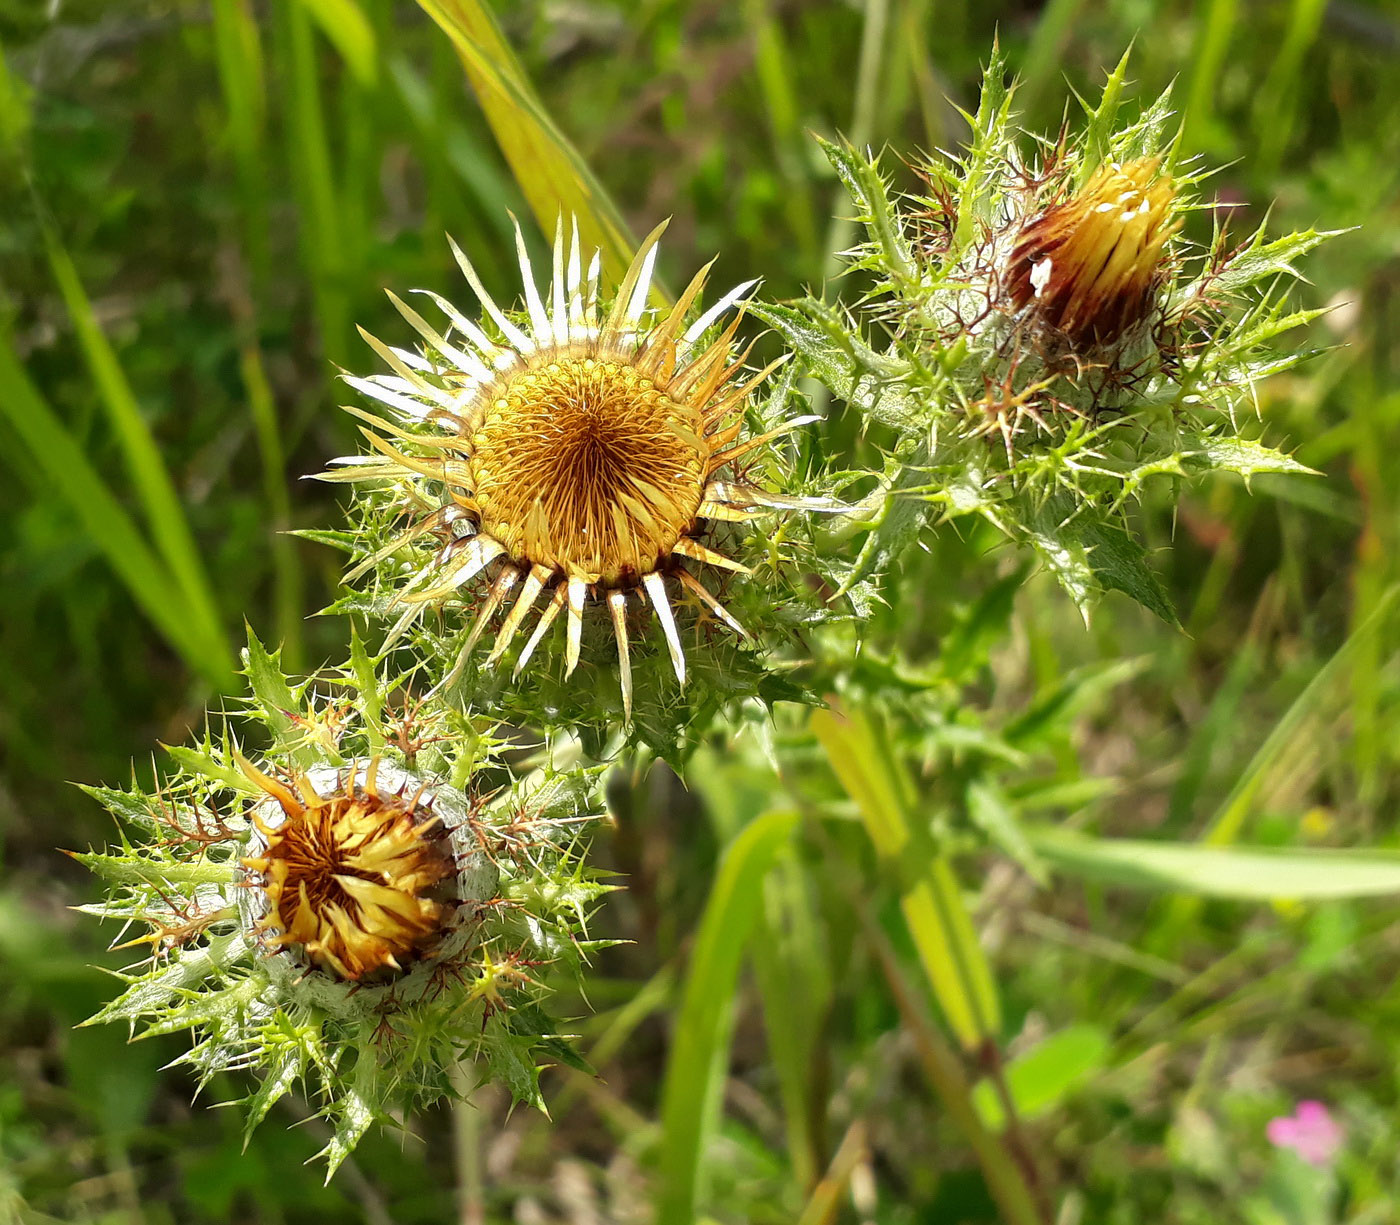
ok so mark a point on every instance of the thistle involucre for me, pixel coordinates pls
(579, 453)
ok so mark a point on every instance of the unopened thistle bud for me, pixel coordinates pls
(351, 890)
(1088, 268)
(1049, 339)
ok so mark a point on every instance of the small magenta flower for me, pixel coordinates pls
(1310, 1131)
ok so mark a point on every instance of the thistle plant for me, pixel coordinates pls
(358, 905)
(1050, 341)
(349, 886)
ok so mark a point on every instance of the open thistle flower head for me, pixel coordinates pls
(583, 459)
(351, 873)
(364, 905)
(1050, 335)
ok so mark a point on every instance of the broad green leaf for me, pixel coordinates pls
(1040, 1078)
(551, 173)
(1258, 874)
(1090, 555)
(696, 1067)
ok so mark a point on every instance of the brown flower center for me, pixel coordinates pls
(588, 467)
(349, 877)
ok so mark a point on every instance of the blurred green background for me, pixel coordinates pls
(200, 200)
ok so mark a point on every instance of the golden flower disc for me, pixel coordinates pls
(585, 465)
(350, 876)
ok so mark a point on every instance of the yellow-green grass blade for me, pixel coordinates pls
(696, 1069)
(151, 482)
(344, 23)
(58, 462)
(1243, 874)
(933, 907)
(551, 173)
(313, 180)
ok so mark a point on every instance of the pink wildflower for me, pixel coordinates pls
(1310, 1131)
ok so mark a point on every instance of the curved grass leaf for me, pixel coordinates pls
(550, 171)
(696, 1068)
(151, 482)
(65, 471)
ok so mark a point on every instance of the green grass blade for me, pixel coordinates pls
(1276, 102)
(1212, 45)
(933, 908)
(313, 179)
(1227, 823)
(1229, 820)
(550, 171)
(151, 481)
(696, 1069)
(792, 968)
(242, 80)
(58, 459)
(1255, 874)
(347, 28)
(1045, 52)
(289, 581)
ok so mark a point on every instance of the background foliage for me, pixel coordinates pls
(201, 199)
